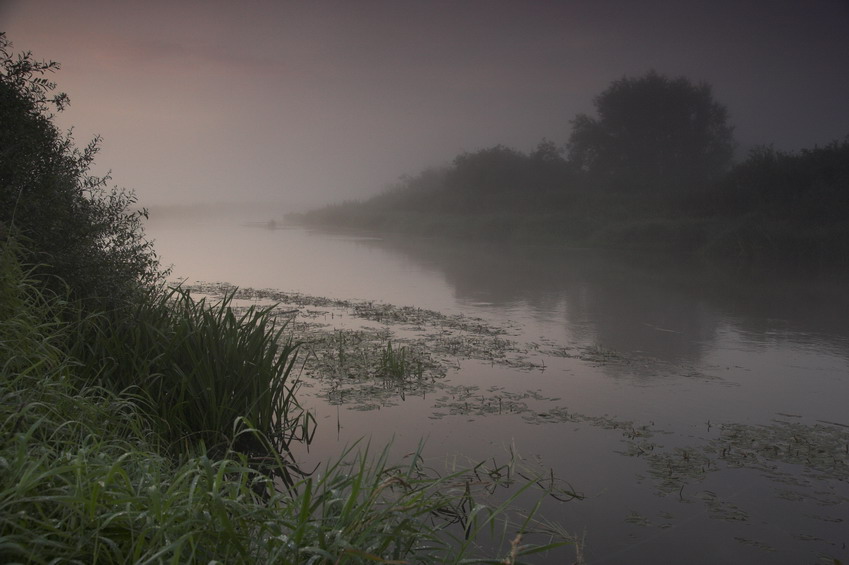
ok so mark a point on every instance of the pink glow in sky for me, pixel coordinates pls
(304, 103)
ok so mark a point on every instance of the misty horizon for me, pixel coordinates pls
(510, 242)
(311, 104)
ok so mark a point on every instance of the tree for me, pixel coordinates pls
(490, 170)
(653, 133)
(82, 234)
(550, 172)
(486, 179)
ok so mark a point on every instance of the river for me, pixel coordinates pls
(700, 413)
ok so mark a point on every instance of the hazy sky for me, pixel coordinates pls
(309, 102)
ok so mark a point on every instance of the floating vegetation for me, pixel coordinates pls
(804, 464)
(721, 509)
(639, 519)
(446, 339)
(364, 368)
(792, 454)
(822, 450)
(470, 401)
(366, 356)
(599, 354)
(364, 309)
(754, 543)
(383, 365)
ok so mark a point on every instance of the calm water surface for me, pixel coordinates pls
(710, 363)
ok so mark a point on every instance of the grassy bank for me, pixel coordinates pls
(159, 435)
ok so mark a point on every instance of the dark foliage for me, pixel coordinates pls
(773, 208)
(83, 234)
(653, 133)
(652, 172)
(783, 207)
(811, 186)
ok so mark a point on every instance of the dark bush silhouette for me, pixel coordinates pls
(81, 233)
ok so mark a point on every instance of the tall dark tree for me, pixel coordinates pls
(653, 133)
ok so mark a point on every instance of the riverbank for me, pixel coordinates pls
(653, 485)
(117, 489)
(98, 469)
(772, 210)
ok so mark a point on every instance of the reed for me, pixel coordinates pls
(204, 372)
(395, 364)
(87, 477)
(76, 490)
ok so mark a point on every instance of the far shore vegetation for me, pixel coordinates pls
(140, 425)
(654, 171)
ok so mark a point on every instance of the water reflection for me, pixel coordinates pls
(672, 309)
(669, 308)
(760, 348)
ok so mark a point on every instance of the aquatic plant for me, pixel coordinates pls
(394, 364)
(86, 476)
(205, 373)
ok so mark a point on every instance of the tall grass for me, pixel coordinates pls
(205, 373)
(87, 477)
(394, 364)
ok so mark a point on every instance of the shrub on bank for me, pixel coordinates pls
(83, 235)
(87, 476)
(130, 417)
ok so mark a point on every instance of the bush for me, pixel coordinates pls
(81, 233)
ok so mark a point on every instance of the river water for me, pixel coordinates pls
(701, 414)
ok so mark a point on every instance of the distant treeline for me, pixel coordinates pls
(654, 171)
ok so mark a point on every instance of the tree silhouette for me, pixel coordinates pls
(653, 133)
(83, 235)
